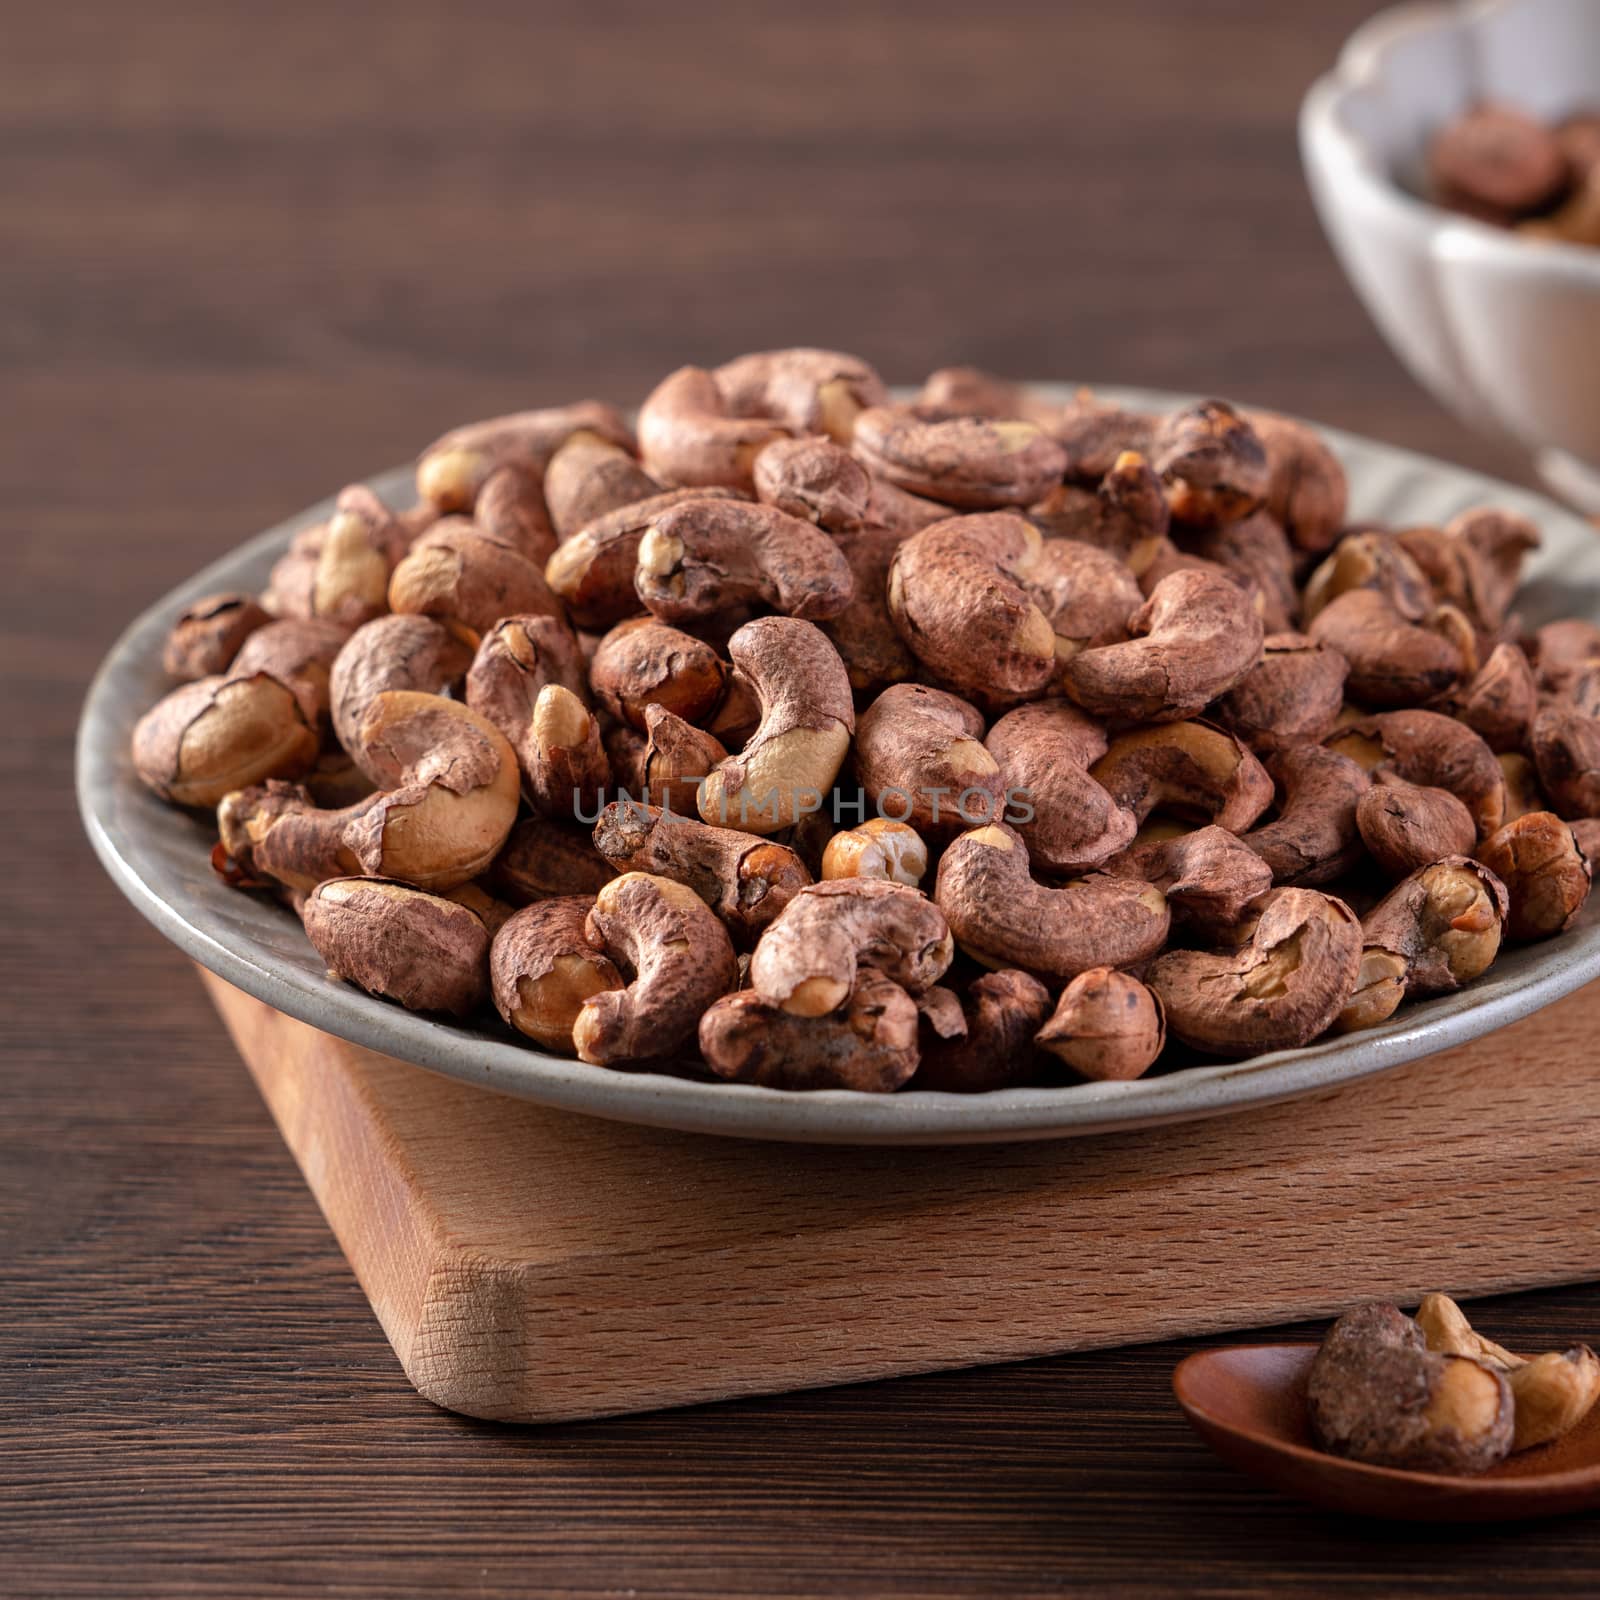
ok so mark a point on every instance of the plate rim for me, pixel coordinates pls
(917, 1117)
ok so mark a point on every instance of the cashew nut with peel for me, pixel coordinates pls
(592, 573)
(864, 633)
(1545, 872)
(978, 463)
(920, 756)
(455, 467)
(1307, 491)
(453, 573)
(543, 860)
(815, 481)
(1212, 462)
(1107, 1026)
(393, 940)
(1444, 921)
(1195, 638)
(564, 764)
(1094, 432)
(448, 797)
(877, 848)
(669, 766)
(1002, 917)
(1209, 875)
(510, 512)
(587, 477)
(517, 660)
(1291, 971)
(207, 635)
(1044, 750)
(544, 964)
(1435, 751)
(680, 959)
(1395, 661)
(807, 718)
(1565, 745)
(394, 652)
(1292, 695)
(1315, 836)
(745, 879)
(642, 662)
(1190, 768)
(972, 392)
(217, 734)
(868, 1044)
(1501, 700)
(983, 1039)
(807, 961)
(1125, 516)
(1406, 825)
(702, 557)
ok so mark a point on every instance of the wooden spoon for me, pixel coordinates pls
(1248, 1402)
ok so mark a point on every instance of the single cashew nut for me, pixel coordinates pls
(702, 557)
(1394, 661)
(1435, 751)
(1212, 462)
(1200, 636)
(877, 848)
(454, 468)
(1003, 918)
(1209, 876)
(807, 960)
(564, 764)
(207, 635)
(517, 660)
(542, 860)
(982, 1040)
(807, 717)
(1107, 1026)
(510, 512)
(299, 652)
(392, 653)
(1445, 920)
(456, 575)
(429, 953)
(977, 463)
(1292, 695)
(1565, 745)
(1094, 432)
(869, 1044)
(1500, 702)
(745, 879)
(217, 734)
(1406, 826)
(1190, 768)
(1545, 873)
(544, 965)
(815, 481)
(681, 960)
(864, 633)
(1125, 515)
(588, 477)
(920, 756)
(1282, 986)
(1316, 835)
(1044, 750)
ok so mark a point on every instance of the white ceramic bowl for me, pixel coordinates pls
(160, 858)
(1504, 331)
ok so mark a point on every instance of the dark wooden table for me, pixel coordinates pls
(249, 252)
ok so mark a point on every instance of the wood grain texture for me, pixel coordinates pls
(532, 1266)
(250, 252)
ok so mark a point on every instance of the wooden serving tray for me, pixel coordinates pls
(531, 1265)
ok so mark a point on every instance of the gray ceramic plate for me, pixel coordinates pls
(160, 858)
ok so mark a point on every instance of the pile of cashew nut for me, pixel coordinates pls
(803, 738)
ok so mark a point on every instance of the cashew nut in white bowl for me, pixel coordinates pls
(1503, 330)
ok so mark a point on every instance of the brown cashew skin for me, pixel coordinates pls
(1545, 872)
(869, 1044)
(1500, 701)
(1094, 432)
(1394, 661)
(510, 512)
(544, 964)
(972, 392)
(1196, 637)
(454, 574)
(958, 598)
(864, 633)
(983, 1039)
(429, 953)
(455, 467)
(1435, 751)
(299, 652)
(1281, 987)
(745, 879)
(1257, 555)
(1044, 751)
(542, 860)
(1292, 695)
(1307, 491)
(807, 961)
(1107, 1026)
(1565, 745)
(1191, 768)
(681, 960)
(588, 477)
(702, 557)
(976, 463)
(218, 734)
(1003, 918)
(1208, 875)
(807, 718)
(920, 756)
(515, 662)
